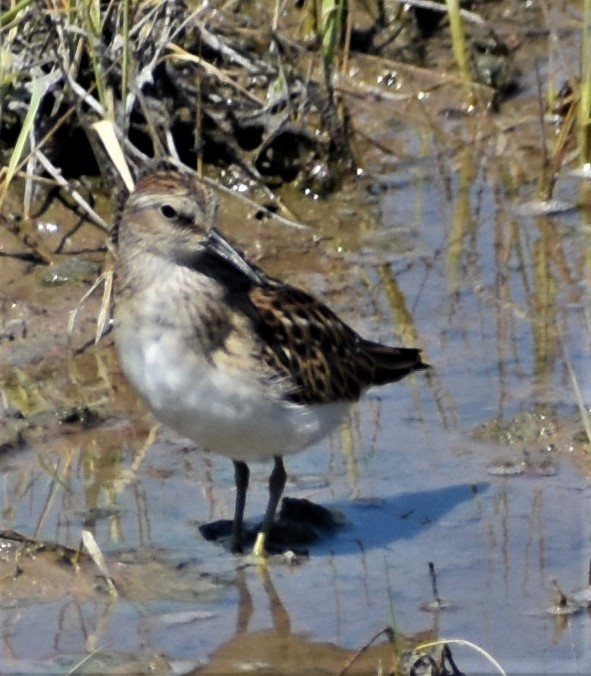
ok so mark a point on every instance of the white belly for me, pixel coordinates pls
(235, 416)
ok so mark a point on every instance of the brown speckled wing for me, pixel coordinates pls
(325, 360)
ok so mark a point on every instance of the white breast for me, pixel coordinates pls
(235, 416)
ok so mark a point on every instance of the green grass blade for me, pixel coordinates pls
(459, 47)
(36, 96)
(7, 16)
(585, 101)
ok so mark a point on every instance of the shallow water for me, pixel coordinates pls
(431, 247)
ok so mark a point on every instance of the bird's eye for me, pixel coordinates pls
(168, 211)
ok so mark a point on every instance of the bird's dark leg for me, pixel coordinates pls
(241, 475)
(276, 486)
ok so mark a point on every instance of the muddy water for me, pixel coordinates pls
(479, 467)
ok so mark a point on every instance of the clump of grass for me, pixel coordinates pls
(174, 87)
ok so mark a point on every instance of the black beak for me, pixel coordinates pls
(217, 244)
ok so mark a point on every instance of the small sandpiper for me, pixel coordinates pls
(237, 361)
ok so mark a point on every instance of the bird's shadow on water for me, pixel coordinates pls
(376, 524)
(347, 527)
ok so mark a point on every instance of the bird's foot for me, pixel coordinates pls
(259, 551)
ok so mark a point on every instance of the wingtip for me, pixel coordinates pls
(423, 366)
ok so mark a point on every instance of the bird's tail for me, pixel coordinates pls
(394, 363)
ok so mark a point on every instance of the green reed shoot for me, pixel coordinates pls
(585, 100)
(459, 47)
(7, 16)
(36, 96)
(88, 17)
(333, 17)
(126, 55)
